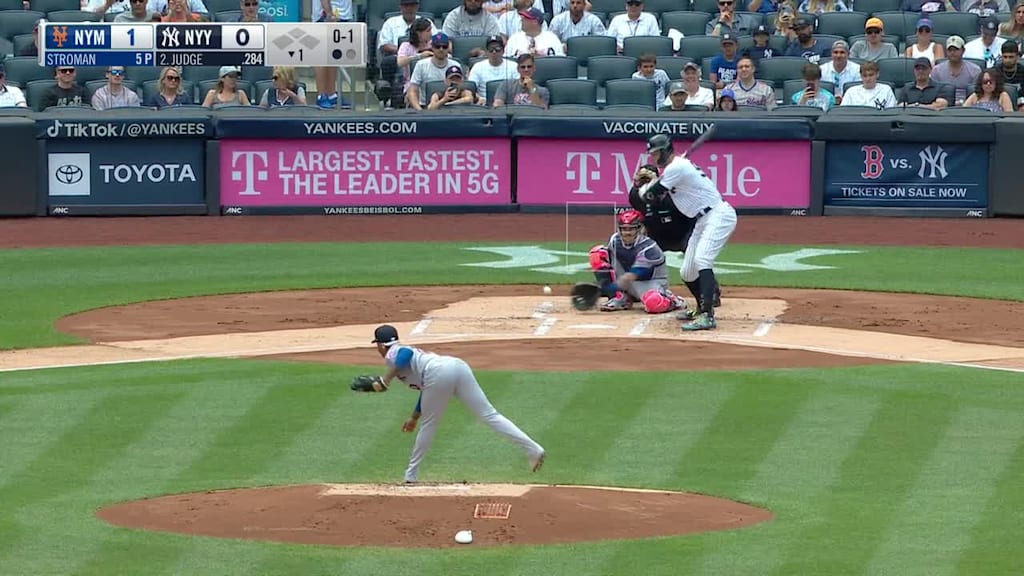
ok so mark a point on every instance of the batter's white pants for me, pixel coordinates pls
(709, 237)
(443, 379)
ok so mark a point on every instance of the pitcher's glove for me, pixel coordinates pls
(646, 173)
(585, 296)
(367, 383)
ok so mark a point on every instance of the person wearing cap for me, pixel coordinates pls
(440, 379)
(805, 45)
(748, 90)
(67, 91)
(723, 66)
(226, 94)
(729, 21)
(533, 39)
(955, 71)
(470, 19)
(985, 8)
(676, 98)
(1011, 70)
(455, 92)
(726, 101)
(840, 70)
(523, 91)
(922, 92)
(576, 21)
(495, 67)
(113, 94)
(813, 94)
(389, 49)
(696, 95)
(873, 49)
(395, 27)
(987, 47)
(635, 22)
(925, 46)
(817, 7)
(10, 96)
(761, 50)
(428, 70)
(870, 92)
(511, 22)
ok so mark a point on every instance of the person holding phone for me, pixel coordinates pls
(454, 93)
(813, 94)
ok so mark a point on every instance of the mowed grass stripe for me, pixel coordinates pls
(803, 466)
(934, 524)
(876, 477)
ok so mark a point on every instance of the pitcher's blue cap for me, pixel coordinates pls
(385, 334)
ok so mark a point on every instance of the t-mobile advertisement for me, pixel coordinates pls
(748, 174)
(368, 174)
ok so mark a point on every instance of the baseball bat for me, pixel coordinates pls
(703, 138)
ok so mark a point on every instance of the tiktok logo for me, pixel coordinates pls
(583, 168)
(249, 174)
(873, 165)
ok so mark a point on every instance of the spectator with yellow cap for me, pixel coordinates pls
(873, 49)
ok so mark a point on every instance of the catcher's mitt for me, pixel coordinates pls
(366, 383)
(585, 295)
(646, 173)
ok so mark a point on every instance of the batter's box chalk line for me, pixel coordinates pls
(493, 511)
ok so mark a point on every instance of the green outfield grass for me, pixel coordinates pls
(898, 470)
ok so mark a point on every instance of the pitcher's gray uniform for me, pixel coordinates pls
(439, 379)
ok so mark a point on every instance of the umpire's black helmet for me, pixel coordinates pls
(662, 145)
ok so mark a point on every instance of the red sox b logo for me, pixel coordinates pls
(873, 165)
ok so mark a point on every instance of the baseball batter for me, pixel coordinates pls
(439, 379)
(632, 268)
(696, 196)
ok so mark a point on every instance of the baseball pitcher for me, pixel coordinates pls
(696, 196)
(631, 268)
(439, 379)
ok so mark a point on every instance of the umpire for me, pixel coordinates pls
(664, 223)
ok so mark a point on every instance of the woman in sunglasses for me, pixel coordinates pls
(171, 92)
(286, 90)
(251, 12)
(989, 93)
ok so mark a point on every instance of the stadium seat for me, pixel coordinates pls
(151, 88)
(93, 85)
(780, 68)
(613, 108)
(258, 73)
(899, 24)
(1004, 16)
(967, 111)
(433, 87)
(689, 23)
(142, 74)
(700, 47)
(492, 89)
(876, 6)
(795, 110)
(214, 6)
(15, 22)
(621, 91)
(659, 7)
(463, 45)
(705, 67)
(108, 17)
(72, 16)
(24, 69)
(11, 5)
(757, 18)
(961, 24)
(205, 86)
(577, 108)
(636, 45)
(607, 5)
(551, 67)
(583, 47)
(572, 91)
(899, 71)
(790, 87)
(88, 73)
(830, 39)
(604, 68)
(200, 73)
(709, 6)
(34, 92)
(844, 24)
(46, 6)
(227, 16)
(1013, 90)
(673, 65)
(436, 7)
(22, 41)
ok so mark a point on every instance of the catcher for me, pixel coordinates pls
(631, 268)
(665, 224)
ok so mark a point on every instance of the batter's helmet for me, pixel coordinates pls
(662, 145)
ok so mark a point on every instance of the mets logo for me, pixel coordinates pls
(60, 35)
(873, 165)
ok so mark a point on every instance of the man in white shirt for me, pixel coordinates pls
(839, 70)
(635, 22)
(10, 96)
(398, 26)
(695, 196)
(495, 67)
(576, 21)
(989, 46)
(533, 39)
(511, 22)
(696, 95)
(428, 70)
(869, 92)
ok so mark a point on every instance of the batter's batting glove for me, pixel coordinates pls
(585, 296)
(366, 383)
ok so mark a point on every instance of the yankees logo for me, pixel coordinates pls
(873, 165)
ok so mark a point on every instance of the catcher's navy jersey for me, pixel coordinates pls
(413, 369)
(645, 253)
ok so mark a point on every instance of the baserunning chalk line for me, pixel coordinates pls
(763, 328)
(541, 313)
(421, 327)
(640, 327)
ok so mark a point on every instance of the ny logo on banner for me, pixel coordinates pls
(873, 166)
(934, 162)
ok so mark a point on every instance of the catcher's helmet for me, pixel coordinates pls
(660, 147)
(630, 221)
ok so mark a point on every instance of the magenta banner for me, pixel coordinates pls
(356, 172)
(749, 174)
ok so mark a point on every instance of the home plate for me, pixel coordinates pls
(593, 326)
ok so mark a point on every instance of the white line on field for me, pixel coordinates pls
(763, 328)
(640, 327)
(421, 327)
(545, 327)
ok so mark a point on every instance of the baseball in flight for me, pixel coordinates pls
(547, 289)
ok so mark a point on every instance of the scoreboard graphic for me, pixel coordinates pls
(209, 44)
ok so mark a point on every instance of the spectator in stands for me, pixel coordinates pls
(10, 96)
(411, 52)
(226, 93)
(874, 49)
(103, 7)
(171, 92)
(397, 26)
(990, 93)
(806, 45)
(455, 92)
(822, 6)
(646, 69)
(1011, 71)
(676, 98)
(577, 21)
(1013, 29)
(922, 92)
(495, 67)
(499, 7)
(984, 7)
(113, 94)
(696, 95)
(511, 22)
(286, 90)
(726, 101)
(813, 94)
(729, 21)
(139, 12)
(33, 48)
(327, 76)
(251, 12)
(925, 46)
(784, 20)
(748, 90)
(67, 91)
(763, 6)
(723, 66)
(870, 92)
(429, 70)
(164, 7)
(533, 39)
(470, 19)
(929, 6)
(761, 50)
(840, 70)
(180, 11)
(635, 22)
(988, 47)
(523, 91)
(955, 71)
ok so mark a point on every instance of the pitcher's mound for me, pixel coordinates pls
(430, 515)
